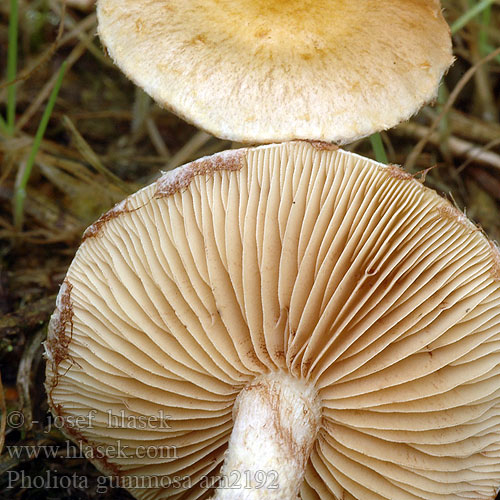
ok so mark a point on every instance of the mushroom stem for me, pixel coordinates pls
(276, 420)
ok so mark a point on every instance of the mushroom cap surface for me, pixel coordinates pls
(260, 71)
(296, 258)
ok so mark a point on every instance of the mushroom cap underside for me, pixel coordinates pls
(315, 262)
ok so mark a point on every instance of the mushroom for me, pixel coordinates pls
(282, 321)
(330, 70)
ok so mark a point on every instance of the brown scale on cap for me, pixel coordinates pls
(94, 230)
(180, 178)
(323, 146)
(449, 211)
(495, 254)
(398, 173)
(58, 343)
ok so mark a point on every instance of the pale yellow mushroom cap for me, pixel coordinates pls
(268, 70)
(347, 274)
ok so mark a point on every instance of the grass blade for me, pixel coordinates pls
(3, 125)
(469, 15)
(12, 64)
(378, 148)
(483, 33)
(20, 191)
(444, 123)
